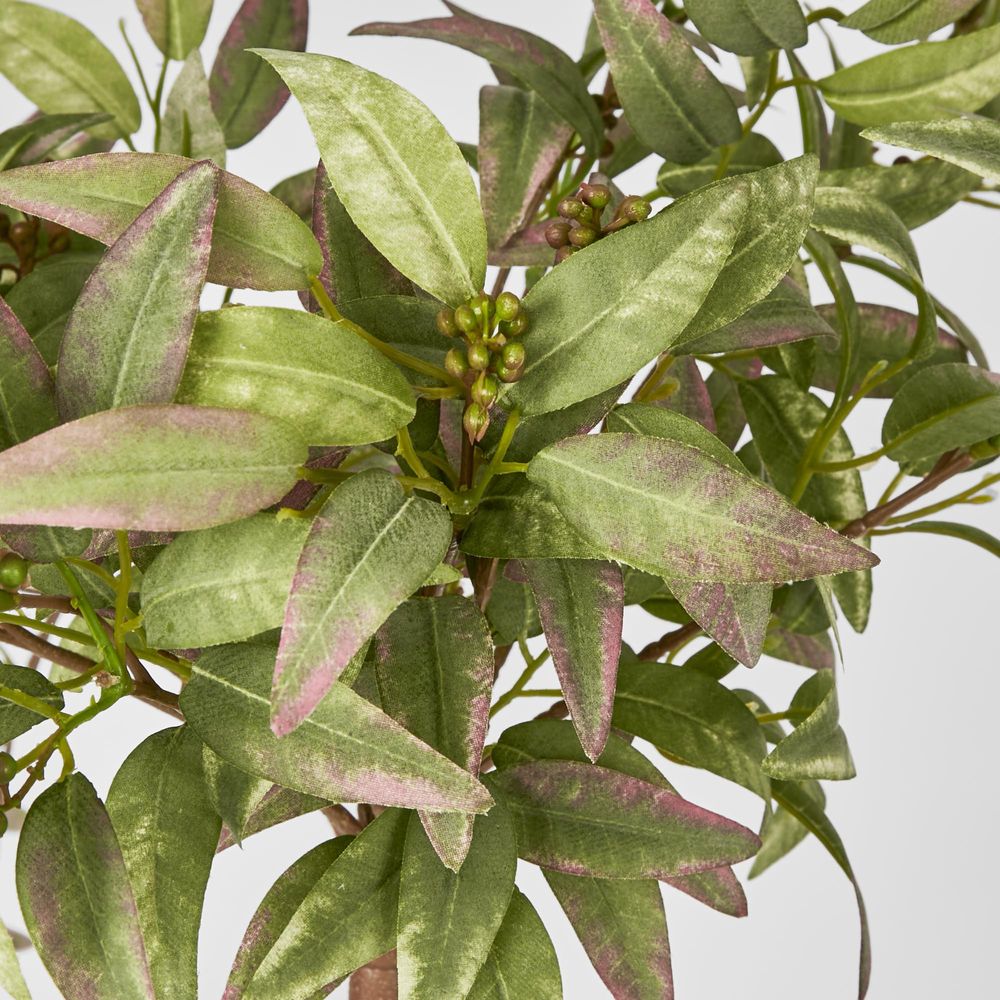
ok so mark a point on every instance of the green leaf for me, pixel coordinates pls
(201, 467)
(670, 97)
(750, 27)
(11, 977)
(297, 193)
(279, 805)
(168, 831)
(781, 831)
(895, 21)
(368, 549)
(222, 584)
(580, 603)
(72, 70)
(950, 529)
(246, 94)
(524, 58)
(813, 651)
(817, 747)
(522, 963)
(257, 241)
(599, 317)
(190, 127)
(771, 233)
(623, 929)
(434, 665)
(398, 173)
(320, 376)
(940, 408)
(176, 26)
(27, 393)
(918, 82)
(972, 143)
(582, 819)
(447, 920)
(128, 334)
(512, 612)
(521, 140)
(351, 908)
(38, 138)
(346, 751)
(15, 720)
(856, 217)
(76, 899)
(685, 514)
(694, 718)
(234, 794)
(276, 909)
(752, 152)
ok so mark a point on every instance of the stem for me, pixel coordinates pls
(123, 588)
(827, 13)
(157, 104)
(23, 621)
(532, 665)
(971, 495)
(136, 63)
(405, 449)
(115, 663)
(669, 642)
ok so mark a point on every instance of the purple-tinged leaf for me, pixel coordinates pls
(246, 93)
(532, 61)
(688, 394)
(813, 651)
(258, 242)
(41, 135)
(27, 393)
(128, 335)
(368, 549)
(623, 929)
(580, 603)
(521, 141)
(346, 751)
(719, 889)
(434, 663)
(734, 615)
(151, 468)
(76, 899)
(176, 26)
(582, 819)
(724, 392)
(672, 510)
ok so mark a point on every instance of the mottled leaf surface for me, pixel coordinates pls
(176, 26)
(235, 795)
(750, 27)
(168, 830)
(190, 127)
(895, 21)
(14, 719)
(781, 831)
(27, 393)
(752, 152)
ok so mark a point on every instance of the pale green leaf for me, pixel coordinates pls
(781, 831)
(11, 977)
(190, 127)
(752, 152)
(176, 26)
(895, 21)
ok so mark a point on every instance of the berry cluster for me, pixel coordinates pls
(23, 238)
(492, 353)
(13, 571)
(581, 224)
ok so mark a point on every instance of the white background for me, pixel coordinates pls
(918, 690)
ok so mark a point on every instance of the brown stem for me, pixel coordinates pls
(560, 710)
(483, 579)
(947, 466)
(61, 604)
(502, 275)
(342, 821)
(376, 980)
(669, 642)
(500, 655)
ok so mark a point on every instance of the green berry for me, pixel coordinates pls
(485, 389)
(596, 195)
(513, 355)
(639, 210)
(455, 363)
(13, 571)
(482, 308)
(563, 252)
(465, 319)
(582, 236)
(506, 374)
(508, 306)
(571, 208)
(446, 322)
(517, 326)
(8, 767)
(496, 342)
(475, 420)
(557, 234)
(479, 356)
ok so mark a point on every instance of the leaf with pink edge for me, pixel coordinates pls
(368, 549)
(580, 603)
(346, 751)
(27, 393)
(735, 615)
(199, 467)
(76, 899)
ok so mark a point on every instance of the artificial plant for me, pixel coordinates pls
(320, 537)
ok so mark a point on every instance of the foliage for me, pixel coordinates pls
(315, 536)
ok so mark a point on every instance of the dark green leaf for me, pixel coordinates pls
(27, 393)
(234, 794)
(750, 27)
(15, 720)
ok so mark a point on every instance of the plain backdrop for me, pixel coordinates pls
(917, 691)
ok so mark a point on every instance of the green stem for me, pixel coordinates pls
(405, 449)
(115, 663)
(136, 63)
(825, 13)
(891, 488)
(157, 105)
(122, 590)
(40, 626)
(33, 704)
(971, 495)
(532, 665)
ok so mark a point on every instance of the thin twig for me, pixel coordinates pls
(669, 642)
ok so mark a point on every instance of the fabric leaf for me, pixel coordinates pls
(190, 127)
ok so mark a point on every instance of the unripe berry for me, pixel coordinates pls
(465, 319)
(8, 767)
(563, 252)
(513, 355)
(455, 363)
(59, 243)
(22, 235)
(639, 210)
(582, 236)
(13, 571)
(485, 389)
(557, 234)
(519, 323)
(508, 306)
(596, 195)
(506, 374)
(475, 420)
(482, 308)
(446, 322)
(479, 356)
(571, 208)
(496, 342)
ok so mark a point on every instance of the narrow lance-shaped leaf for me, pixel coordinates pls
(895, 21)
(346, 751)
(951, 529)
(781, 832)
(37, 138)
(235, 795)
(531, 61)
(398, 173)
(580, 602)
(276, 909)
(27, 393)
(369, 548)
(670, 97)
(70, 874)
(176, 26)
(190, 127)
(604, 313)
(320, 376)
(128, 334)
(168, 830)
(750, 27)
(672, 510)
(279, 805)
(257, 242)
(434, 666)
(622, 927)
(564, 814)
(72, 71)
(201, 467)
(447, 920)
(246, 94)
(938, 78)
